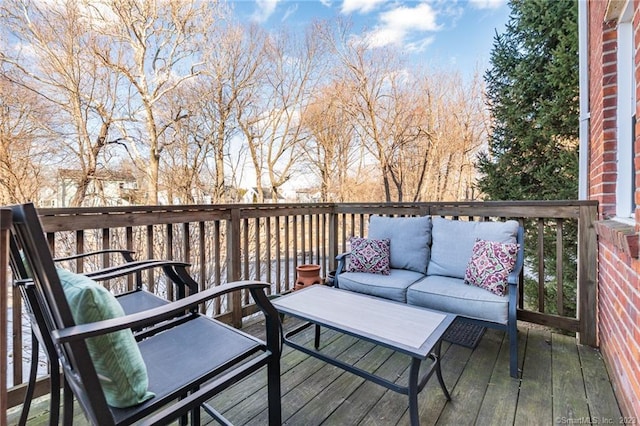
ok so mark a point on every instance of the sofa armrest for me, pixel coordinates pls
(514, 277)
(342, 262)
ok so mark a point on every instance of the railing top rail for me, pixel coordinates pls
(176, 208)
(278, 206)
(69, 219)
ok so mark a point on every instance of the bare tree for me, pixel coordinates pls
(274, 131)
(54, 62)
(457, 123)
(231, 76)
(23, 130)
(330, 152)
(185, 159)
(372, 74)
(154, 46)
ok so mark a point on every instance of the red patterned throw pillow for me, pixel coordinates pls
(490, 265)
(369, 255)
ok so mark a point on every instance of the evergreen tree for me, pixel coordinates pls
(532, 90)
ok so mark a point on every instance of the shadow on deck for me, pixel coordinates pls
(562, 383)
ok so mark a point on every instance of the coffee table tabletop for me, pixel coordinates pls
(399, 326)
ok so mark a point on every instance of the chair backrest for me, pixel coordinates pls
(45, 298)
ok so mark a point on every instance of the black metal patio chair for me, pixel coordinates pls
(188, 356)
(136, 300)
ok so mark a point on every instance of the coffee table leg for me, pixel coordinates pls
(413, 391)
(439, 371)
(317, 337)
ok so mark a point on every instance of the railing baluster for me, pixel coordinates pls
(202, 259)
(287, 284)
(245, 257)
(17, 336)
(303, 239)
(150, 255)
(295, 245)
(169, 256)
(268, 254)
(79, 249)
(257, 251)
(343, 228)
(129, 246)
(559, 267)
(323, 241)
(279, 287)
(541, 265)
(217, 269)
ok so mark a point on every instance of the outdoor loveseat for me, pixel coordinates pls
(468, 268)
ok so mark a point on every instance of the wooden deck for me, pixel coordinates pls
(562, 383)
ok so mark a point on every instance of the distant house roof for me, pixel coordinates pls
(112, 175)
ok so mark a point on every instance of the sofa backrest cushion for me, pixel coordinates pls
(453, 242)
(409, 238)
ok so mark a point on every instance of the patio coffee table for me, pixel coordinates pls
(414, 331)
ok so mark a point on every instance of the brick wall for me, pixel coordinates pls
(618, 269)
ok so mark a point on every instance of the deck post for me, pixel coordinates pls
(587, 275)
(234, 267)
(5, 223)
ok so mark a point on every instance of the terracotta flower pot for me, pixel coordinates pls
(307, 275)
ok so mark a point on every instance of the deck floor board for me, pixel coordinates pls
(559, 379)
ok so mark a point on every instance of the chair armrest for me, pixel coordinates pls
(128, 268)
(156, 315)
(127, 255)
(175, 270)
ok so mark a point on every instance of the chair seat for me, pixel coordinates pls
(187, 347)
(139, 300)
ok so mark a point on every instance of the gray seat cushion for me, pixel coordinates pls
(453, 242)
(392, 286)
(453, 295)
(410, 238)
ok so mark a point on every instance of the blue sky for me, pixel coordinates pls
(449, 34)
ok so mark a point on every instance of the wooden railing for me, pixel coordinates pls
(267, 242)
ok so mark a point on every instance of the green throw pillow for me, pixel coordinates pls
(116, 357)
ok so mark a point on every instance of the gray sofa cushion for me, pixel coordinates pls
(453, 242)
(410, 239)
(392, 286)
(453, 295)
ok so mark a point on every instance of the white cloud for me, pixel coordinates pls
(487, 4)
(360, 6)
(290, 11)
(421, 18)
(384, 36)
(420, 45)
(264, 9)
(403, 22)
